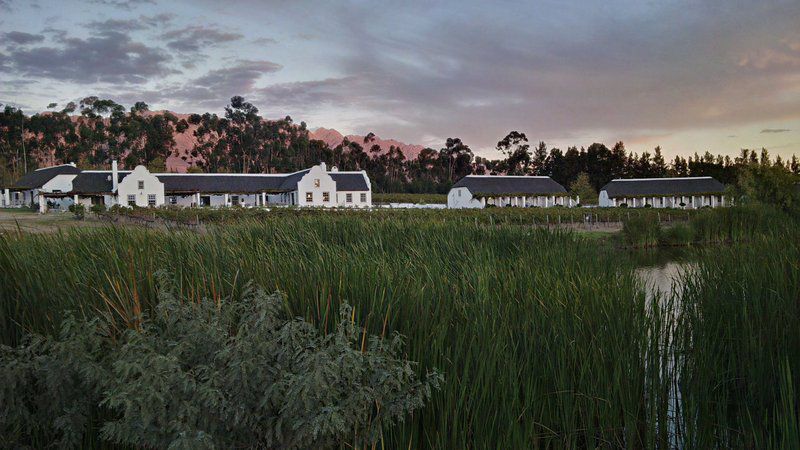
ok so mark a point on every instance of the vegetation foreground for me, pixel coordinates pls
(545, 339)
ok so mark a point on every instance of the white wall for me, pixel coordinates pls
(341, 199)
(461, 197)
(59, 183)
(664, 202)
(603, 201)
(6, 198)
(130, 186)
(317, 182)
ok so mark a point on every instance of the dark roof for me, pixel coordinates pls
(663, 186)
(39, 177)
(220, 183)
(251, 184)
(95, 182)
(349, 181)
(98, 182)
(509, 185)
(290, 182)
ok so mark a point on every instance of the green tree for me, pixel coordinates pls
(582, 187)
(517, 150)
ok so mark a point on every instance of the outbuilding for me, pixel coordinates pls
(684, 192)
(480, 191)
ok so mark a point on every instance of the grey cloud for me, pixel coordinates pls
(211, 90)
(122, 4)
(658, 69)
(110, 57)
(22, 38)
(116, 25)
(128, 25)
(775, 130)
(195, 38)
(296, 97)
(264, 41)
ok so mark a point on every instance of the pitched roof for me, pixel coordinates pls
(290, 181)
(349, 181)
(345, 181)
(220, 183)
(509, 185)
(95, 182)
(98, 182)
(663, 186)
(39, 177)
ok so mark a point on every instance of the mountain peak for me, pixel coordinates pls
(333, 138)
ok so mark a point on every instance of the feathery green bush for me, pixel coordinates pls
(208, 374)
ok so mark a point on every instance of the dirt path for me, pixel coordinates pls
(28, 221)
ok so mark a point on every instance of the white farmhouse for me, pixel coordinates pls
(25, 192)
(62, 186)
(685, 192)
(480, 191)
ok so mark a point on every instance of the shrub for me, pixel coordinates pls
(208, 374)
(78, 210)
(623, 205)
(98, 208)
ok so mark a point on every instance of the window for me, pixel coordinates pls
(316, 182)
(309, 196)
(326, 196)
(234, 200)
(141, 184)
(131, 200)
(348, 197)
(173, 200)
(364, 197)
(151, 199)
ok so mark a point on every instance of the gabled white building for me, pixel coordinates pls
(480, 191)
(316, 186)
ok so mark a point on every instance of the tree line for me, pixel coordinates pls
(94, 131)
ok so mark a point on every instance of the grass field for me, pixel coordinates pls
(545, 337)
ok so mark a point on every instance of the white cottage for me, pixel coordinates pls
(685, 192)
(26, 192)
(480, 191)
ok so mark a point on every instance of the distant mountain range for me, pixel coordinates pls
(334, 138)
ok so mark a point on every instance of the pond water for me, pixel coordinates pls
(661, 272)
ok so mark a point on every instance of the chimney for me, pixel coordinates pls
(334, 169)
(114, 176)
(323, 167)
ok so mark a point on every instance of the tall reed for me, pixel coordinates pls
(541, 337)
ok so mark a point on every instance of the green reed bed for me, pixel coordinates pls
(739, 346)
(707, 226)
(545, 339)
(542, 339)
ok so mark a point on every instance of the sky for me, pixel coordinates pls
(690, 76)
